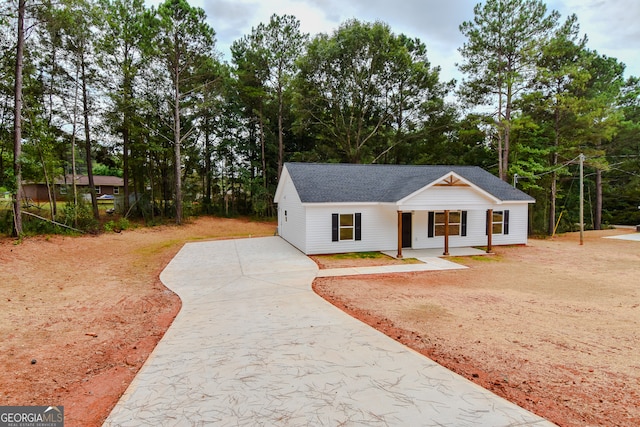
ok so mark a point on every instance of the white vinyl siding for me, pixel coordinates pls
(476, 228)
(378, 225)
(291, 216)
(446, 198)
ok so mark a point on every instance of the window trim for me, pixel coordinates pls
(504, 223)
(337, 227)
(346, 226)
(432, 224)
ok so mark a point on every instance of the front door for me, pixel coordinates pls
(406, 229)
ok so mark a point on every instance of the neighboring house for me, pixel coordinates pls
(337, 208)
(104, 185)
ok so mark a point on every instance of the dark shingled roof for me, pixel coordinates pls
(344, 183)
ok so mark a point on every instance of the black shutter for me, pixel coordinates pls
(431, 226)
(358, 226)
(463, 223)
(488, 223)
(506, 222)
(334, 227)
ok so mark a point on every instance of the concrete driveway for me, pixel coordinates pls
(253, 345)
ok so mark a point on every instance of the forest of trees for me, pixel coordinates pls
(117, 87)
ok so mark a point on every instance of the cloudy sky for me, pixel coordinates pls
(611, 25)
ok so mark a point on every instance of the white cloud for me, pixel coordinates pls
(611, 25)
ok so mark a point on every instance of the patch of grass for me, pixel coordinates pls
(485, 258)
(158, 247)
(480, 258)
(358, 255)
(411, 261)
(117, 225)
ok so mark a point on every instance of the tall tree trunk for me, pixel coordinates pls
(51, 191)
(262, 149)
(280, 132)
(554, 176)
(177, 156)
(74, 128)
(552, 203)
(87, 138)
(207, 163)
(125, 139)
(500, 128)
(507, 133)
(17, 121)
(598, 208)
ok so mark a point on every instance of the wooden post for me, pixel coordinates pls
(399, 256)
(446, 233)
(489, 230)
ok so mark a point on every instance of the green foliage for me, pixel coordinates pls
(79, 216)
(117, 225)
(503, 42)
(368, 95)
(104, 170)
(360, 94)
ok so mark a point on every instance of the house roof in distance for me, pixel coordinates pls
(114, 181)
(357, 183)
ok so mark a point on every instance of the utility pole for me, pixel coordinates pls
(581, 199)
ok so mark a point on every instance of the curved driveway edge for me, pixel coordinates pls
(254, 345)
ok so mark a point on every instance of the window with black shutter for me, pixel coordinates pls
(506, 222)
(499, 222)
(346, 227)
(463, 223)
(431, 225)
(457, 223)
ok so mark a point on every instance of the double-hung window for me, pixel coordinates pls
(457, 223)
(500, 222)
(346, 227)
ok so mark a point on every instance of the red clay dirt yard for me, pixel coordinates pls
(80, 315)
(552, 326)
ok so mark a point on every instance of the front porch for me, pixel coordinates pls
(442, 225)
(436, 252)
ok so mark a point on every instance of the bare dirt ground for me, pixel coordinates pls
(553, 326)
(80, 315)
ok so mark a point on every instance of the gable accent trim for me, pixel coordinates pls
(453, 178)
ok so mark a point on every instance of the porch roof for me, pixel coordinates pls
(355, 183)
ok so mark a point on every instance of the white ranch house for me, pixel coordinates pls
(337, 208)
